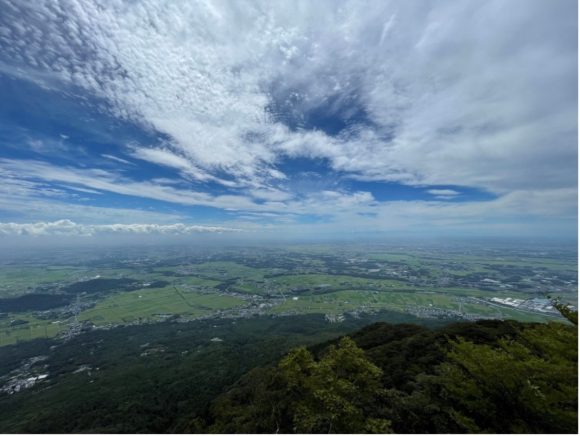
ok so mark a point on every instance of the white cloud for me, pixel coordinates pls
(162, 157)
(170, 159)
(22, 174)
(443, 194)
(270, 194)
(111, 182)
(456, 93)
(31, 207)
(522, 213)
(448, 93)
(70, 228)
(85, 190)
(556, 208)
(117, 159)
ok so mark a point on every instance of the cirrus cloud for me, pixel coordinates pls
(290, 111)
(426, 92)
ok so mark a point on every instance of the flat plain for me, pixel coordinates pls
(60, 298)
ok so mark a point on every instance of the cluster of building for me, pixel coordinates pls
(533, 304)
(15, 385)
(440, 313)
(332, 318)
(25, 376)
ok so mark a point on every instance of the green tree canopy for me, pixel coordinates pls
(336, 394)
(516, 386)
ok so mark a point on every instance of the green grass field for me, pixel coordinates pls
(341, 301)
(227, 270)
(150, 303)
(476, 263)
(344, 301)
(408, 259)
(36, 328)
(301, 281)
(313, 282)
(18, 281)
(553, 264)
(317, 293)
(147, 304)
(194, 282)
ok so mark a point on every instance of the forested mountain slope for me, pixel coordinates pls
(247, 376)
(488, 376)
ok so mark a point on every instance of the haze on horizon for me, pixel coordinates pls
(234, 121)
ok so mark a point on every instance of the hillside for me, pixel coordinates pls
(489, 376)
(299, 374)
(151, 378)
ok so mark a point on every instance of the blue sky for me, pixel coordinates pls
(296, 118)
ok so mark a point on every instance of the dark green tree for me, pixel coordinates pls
(566, 311)
(257, 404)
(336, 394)
(516, 386)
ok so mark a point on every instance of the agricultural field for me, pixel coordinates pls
(15, 281)
(48, 298)
(156, 304)
(348, 301)
(321, 281)
(226, 270)
(31, 328)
